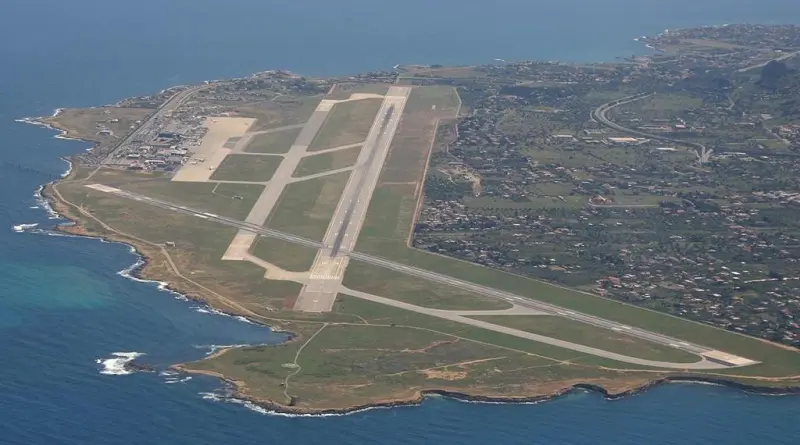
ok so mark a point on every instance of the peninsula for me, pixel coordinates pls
(500, 232)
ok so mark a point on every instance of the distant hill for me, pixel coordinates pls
(774, 74)
(783, 85)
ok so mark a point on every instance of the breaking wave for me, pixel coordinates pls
(19, 228)
(116, 364)
(44, 204)
(217, 397)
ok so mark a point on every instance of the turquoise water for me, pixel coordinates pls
(65, 309)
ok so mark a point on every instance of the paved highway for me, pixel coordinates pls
(543, 307)
(600, 114)
(763, 64)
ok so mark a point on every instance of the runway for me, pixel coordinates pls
(719, 357)
(329, 265)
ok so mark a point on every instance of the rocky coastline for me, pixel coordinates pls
(238, 393)
(141, 271)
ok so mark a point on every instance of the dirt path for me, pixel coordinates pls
(297, 367)
(174, 268)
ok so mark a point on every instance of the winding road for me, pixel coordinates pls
(600, 114)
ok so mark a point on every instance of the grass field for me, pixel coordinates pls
(375, 313)
(84, 123)
(335, 366)
(284, 254)
(388, 224)
(305, 208)
(323, 162)
(240, 167)
(408, 153)
(432, 98)
(344, 90)
(584, 334)
(365, 352)
(398, 286)
(215, 198)
(668, 102)
(197, 253)
(279, 112)
(278, 142)
(348, 123)
(535, 202)
(777, 360)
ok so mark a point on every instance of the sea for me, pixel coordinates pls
(71, 313)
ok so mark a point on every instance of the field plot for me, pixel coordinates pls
(342, 366)
(344, 90)
(279, 112)
(87, 123)
(397, 286)
(232, 200)
(388, 225)
(348, 123)
(499, 195)
(277, 142)
(391, 211)
(305, 208)
(241, 167)
(584, 334)
(327, 161)
(196, 251)
(286, 255)
(408, 154)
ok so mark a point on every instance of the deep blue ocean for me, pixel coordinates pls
(65, 308)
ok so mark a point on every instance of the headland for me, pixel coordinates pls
(506, 232)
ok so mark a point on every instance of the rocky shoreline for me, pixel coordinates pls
(141, 271)
(274, 407)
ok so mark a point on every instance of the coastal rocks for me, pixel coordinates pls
(122, 363)
(235, 394)
(138, 367)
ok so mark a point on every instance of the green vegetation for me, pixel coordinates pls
(197, 253)
(306, 207)
(584, 334)
(277, 142)
(345, 90)
(232, 200)
(83, 123)
(386, 231)
(525, 194)
(284, 254)
(341, 366)
(242, 167)
(348, 123)
(279, 112)
(778, 360)
(323, 162)
(397, 286)
(375, 313)
(433, 98)
(666, 102)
